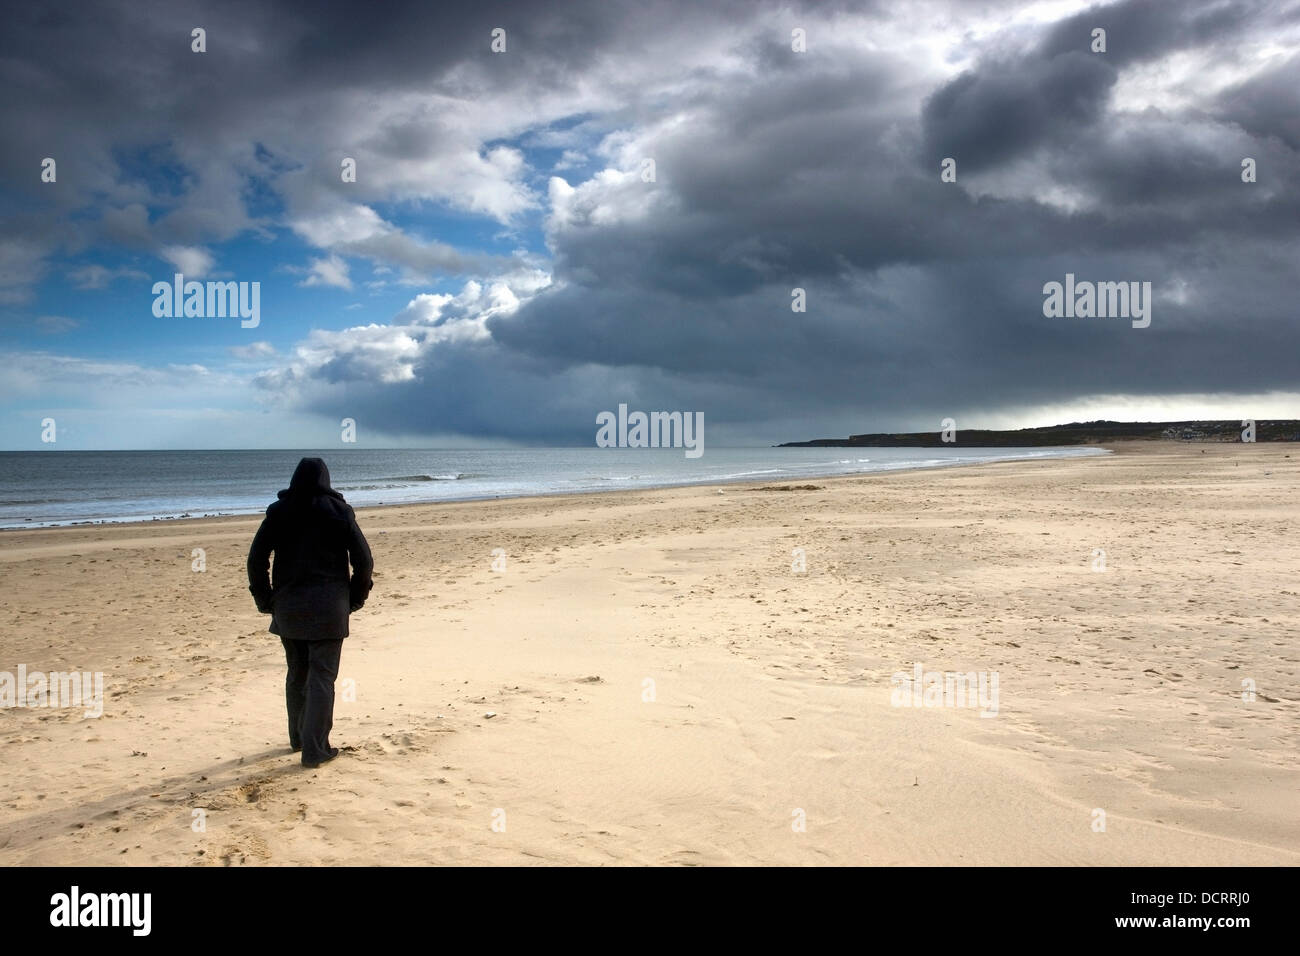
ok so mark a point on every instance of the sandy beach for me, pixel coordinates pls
(665, 687)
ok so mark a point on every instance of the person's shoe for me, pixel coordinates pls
(294, 748)
(312, 765)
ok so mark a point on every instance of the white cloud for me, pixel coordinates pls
(100, 382)
(98, 277)
(388, 354)
(569, 159)
(332, 270)
(193, 262)
(55, 324)
(358, 230)
(253, 351)
(22, 263)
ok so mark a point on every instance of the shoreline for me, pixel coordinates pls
(711, 483)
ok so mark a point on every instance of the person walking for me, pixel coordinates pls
(309, 594)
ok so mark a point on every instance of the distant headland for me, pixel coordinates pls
(1075, 433)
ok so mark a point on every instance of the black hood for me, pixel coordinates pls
(311, 479)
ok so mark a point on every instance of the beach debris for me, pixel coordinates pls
(490, 714)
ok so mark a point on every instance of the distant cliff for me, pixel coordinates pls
(1075, 433)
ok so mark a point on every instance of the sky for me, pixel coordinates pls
(562, 207)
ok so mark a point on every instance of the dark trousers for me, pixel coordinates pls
(309, 694)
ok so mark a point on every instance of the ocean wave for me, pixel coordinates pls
(395, 481)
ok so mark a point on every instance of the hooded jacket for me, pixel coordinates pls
(313, 533)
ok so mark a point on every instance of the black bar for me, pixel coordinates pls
(943, 906)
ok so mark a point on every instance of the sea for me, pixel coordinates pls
(49, 487)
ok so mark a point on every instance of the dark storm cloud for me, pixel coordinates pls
(1011, 105)
(1006, 109)
(86, 85)
(1139, 30)
(791, 181)
(775, 170)
(1266, 105)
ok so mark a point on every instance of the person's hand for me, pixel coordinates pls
(264, 599)
(358, 591)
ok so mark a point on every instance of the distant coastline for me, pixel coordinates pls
(1075, 433)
